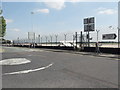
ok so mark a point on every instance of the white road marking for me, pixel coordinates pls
(29, 71)
(95, 56)
(116, 59)
(14, 61)
(29, 55)
(34, 50)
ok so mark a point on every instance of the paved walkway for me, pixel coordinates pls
(65, 51)
(87, 53)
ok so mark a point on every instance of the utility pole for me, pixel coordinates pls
(41, 41)
(28, 37)
(88, 35)
(34, 40)
(73, 39)
(18, 40)
(32, 25)
(46, 40)
(51, 39)
(81, 37)
(29, 40)
(97, 34)
(56, 36)
(118, 42)
(76, 39)
(39, 38)
(118, 37)
(65, 35)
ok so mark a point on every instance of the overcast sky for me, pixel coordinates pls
(51, 18)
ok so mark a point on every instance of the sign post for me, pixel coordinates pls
(76, 39)
(39, 38)
(31, 37)
(118, 37)
(118, 29)
(89, 26)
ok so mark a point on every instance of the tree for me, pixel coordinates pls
(2, 26)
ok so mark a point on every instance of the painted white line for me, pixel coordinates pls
(116, 59)
(29, 71)
(34, 50)
(96, 56)
(14, 61)
(29, 55)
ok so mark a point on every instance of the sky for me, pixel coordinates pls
(50, 18)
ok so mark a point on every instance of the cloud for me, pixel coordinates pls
(60, 4)
(14, 29)
(106, 11)
(56, 4)
(9, 21)
(73, 1)
(42, 11)
(59, 0)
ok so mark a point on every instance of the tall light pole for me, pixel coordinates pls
(97, 34)
(28, 38)
(76, 38)
(118, 37)
(46, 40)
(65, 35)
(56, 36)
(33, 40)
(51, 39)
(32, 19)
(73, 39)
(39, 38)
(18, 40)
(118, 28)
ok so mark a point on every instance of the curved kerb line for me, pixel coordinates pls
(28, 71)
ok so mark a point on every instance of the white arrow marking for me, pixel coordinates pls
(29, 71)
(14, 61)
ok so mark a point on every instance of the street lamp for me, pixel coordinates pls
(39, 38)
(32, 19)
(46, 40)
(51, 39)
(33, 40)
(73, 39)
(97, 34)
(65, 35)
(18, 40)
(118, 37)
(56, 36)
(32, 23)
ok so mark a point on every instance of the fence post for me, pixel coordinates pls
(81, 40)
(76, 39)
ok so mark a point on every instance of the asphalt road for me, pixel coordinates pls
(67, 70)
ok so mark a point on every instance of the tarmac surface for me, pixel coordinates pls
(58, 69)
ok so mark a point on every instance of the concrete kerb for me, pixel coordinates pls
(85, 53)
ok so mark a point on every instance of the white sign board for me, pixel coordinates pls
(89, 24)
(109, 36)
